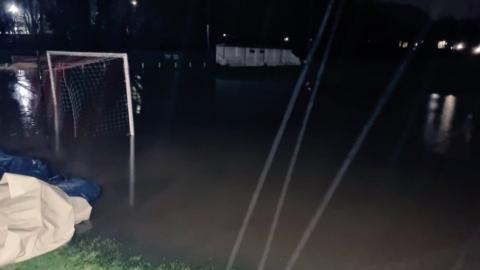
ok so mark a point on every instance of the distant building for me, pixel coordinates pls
(442, 44)
(254, 57)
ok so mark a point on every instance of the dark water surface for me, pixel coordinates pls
(410, 200)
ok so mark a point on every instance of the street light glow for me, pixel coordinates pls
(134, 3)
(286, 39)
(224, 35)
(476, 50)
(13, 9)
(459, 46)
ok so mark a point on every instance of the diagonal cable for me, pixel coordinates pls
(300, 137)
(278, 137)
(352, 155)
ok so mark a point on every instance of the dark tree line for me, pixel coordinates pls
(182, 24)
(6, 21)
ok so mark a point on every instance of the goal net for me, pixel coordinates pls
(90, 94)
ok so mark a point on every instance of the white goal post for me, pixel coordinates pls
(78, 78)
(91, 92)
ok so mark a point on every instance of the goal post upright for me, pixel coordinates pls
(128, 86)
(131, 177)
(56, 120)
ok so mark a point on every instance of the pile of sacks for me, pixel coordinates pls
(38, 209)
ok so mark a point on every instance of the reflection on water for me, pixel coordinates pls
(446, 120)
(131, 185)
(468, 128)
(438, 126)
(137, 87)
(430, 122)
(24, 94)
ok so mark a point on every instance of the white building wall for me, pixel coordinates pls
(254, 57)
(272, 57)
(251, 59)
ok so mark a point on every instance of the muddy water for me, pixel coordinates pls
(410, 201)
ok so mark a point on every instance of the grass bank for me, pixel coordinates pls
(97, 254)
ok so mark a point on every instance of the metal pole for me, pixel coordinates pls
(132, 131)
(56, 119)
(208, 37)
(128, 86)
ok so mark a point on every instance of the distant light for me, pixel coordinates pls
(134, 3)
(224, 35)
(442, 44)
(476, 50)
(403, 44)
(13, 9)
(459, 46)
(435, 96)
(286, 39)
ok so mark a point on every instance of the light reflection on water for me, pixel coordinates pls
(468, 128)
(444, 133)
(24, 94)
(439, 124)
(430, 122)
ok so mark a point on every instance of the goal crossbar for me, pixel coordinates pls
(84, 62)
(87, 54)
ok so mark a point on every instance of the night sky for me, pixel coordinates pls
(461, 9)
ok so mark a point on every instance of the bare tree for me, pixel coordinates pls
(31, 14)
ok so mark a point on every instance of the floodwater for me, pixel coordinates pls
(410, 200)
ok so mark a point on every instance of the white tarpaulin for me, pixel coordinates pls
(35, 217)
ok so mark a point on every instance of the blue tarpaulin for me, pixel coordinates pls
(39, 169)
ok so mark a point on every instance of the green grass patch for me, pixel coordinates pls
(96, 254)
